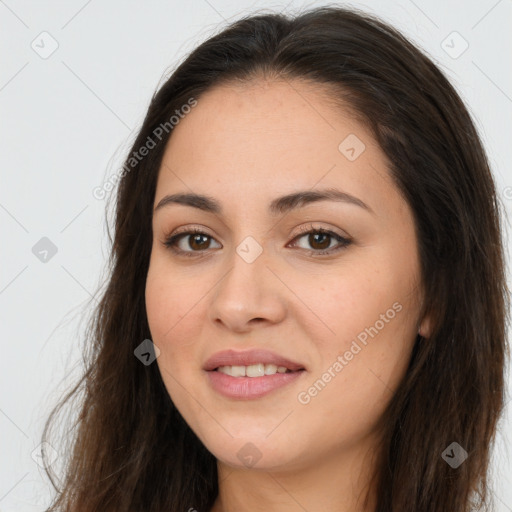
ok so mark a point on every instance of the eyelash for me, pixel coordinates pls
(171, 241)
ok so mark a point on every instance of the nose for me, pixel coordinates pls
(248, 295)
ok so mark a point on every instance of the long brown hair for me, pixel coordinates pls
(130, 448)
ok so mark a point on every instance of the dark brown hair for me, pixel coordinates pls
(131, 450)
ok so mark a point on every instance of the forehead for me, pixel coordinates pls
(264, 114)
(270, 138)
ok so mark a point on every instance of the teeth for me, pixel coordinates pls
(253, 370)
(271, 369)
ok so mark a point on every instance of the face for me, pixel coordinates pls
(342, 303)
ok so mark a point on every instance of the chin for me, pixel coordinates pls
(256, 450)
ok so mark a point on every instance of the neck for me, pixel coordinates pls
(337, 482)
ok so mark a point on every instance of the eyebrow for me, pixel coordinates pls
(278, 206)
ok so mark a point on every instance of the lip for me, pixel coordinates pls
(246, 388)
(248, 357)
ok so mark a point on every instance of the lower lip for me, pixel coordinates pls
(250, 387)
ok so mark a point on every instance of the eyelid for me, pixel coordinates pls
(191, 229)
(310, 227)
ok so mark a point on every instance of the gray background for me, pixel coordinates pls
(67, 121)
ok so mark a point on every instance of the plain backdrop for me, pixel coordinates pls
(76, 78)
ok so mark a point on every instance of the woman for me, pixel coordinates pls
(307, 304)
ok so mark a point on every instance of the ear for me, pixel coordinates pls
(425, 328)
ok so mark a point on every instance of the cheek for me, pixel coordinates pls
(166, 313)
(347, 299)
(176, 305)
(360, 367)
(367, 317)
(172, 304)
(173, 318)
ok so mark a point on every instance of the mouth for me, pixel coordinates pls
(251, 374)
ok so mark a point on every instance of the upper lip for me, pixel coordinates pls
(248, 357)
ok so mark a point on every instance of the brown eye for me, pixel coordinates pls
(189, 242)
(198, 242)
(320, 241)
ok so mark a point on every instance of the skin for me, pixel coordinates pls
(245, 145)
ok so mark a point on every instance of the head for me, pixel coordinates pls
(394, 315)
(257, 278)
